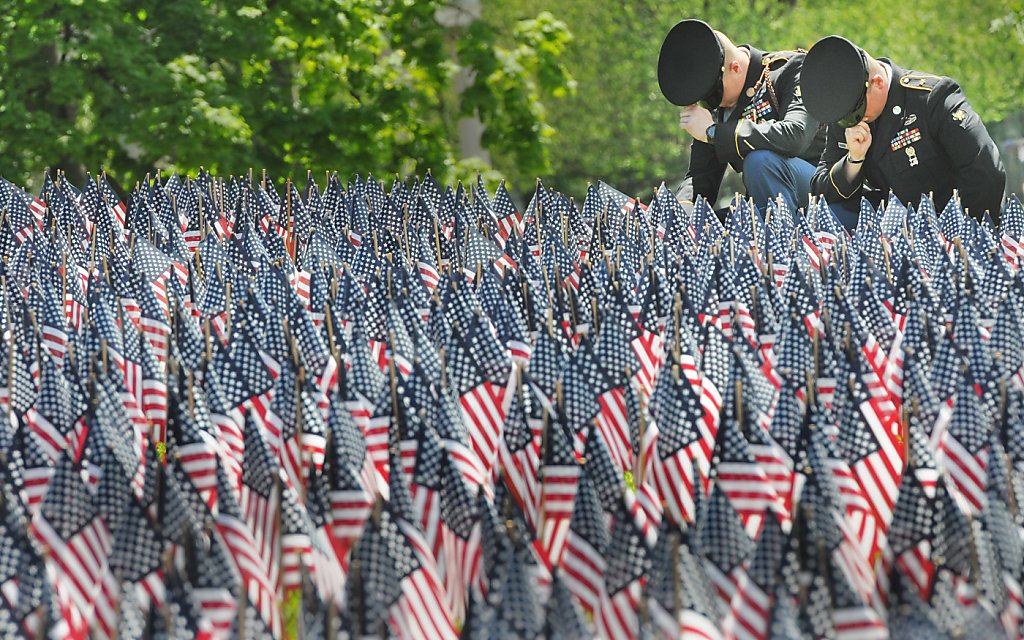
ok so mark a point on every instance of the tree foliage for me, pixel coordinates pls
(352, 85)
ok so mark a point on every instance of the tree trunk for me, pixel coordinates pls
(457, 16)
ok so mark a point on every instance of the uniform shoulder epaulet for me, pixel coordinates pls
(920, 81)
(769, 59)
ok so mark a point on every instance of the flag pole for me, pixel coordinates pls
(641, 467)
(202, 217)
(405, 224)
(10, 349)
(545, 446)
(227, 309)
(289, 220)
(300, 379)
(437, 242)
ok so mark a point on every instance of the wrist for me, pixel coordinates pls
(851, 160)
(709, 133)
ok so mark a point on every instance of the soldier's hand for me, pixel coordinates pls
(858, 141)
(695, 120)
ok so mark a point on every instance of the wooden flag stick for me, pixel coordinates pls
(10, 349)
(300, 379)
(527, 304)
(227, 310)
(202, 219)
(642, 428)
(545, 446)
(332, 345)
(206, 340)
(289, 220)
(64, 279)
(444, 369)
(405, 225)
(739, 405)
(437, 242)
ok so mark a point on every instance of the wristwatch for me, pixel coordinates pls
(710, 133)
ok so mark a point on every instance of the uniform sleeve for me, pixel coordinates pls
(704, 177)
(789, 136)
(979, 174)
(830, 179)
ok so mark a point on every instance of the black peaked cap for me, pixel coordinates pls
(834, 78)
(690, 62)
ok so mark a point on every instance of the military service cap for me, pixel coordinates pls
(834, 81)
(691, 65)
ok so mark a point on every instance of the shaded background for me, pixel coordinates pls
(559, 89)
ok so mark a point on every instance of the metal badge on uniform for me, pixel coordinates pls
(842, 145)
(910, 119)
(912, 156)
(905, 138)
(960, 117)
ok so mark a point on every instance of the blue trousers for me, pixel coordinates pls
(847, 213)
(766, 175)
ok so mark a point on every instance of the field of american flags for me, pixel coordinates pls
(243, 407)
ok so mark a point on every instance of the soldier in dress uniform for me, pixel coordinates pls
(743, 108)
(893, 129)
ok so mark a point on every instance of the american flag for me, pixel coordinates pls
(520, 449)
(584, 561)
(911, 533)
(740, 476)
(260, 505)
(522, 431)
(479, 374)
(247, 557)
(393, 580)
(628, 563)
(683, 446)
(508, 219)
(678, 606)
(349, 491)
(68, 523)
(963, 450)
(750, 614)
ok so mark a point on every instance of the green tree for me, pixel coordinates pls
(348, 85)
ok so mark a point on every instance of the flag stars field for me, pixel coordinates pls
(238, 407)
